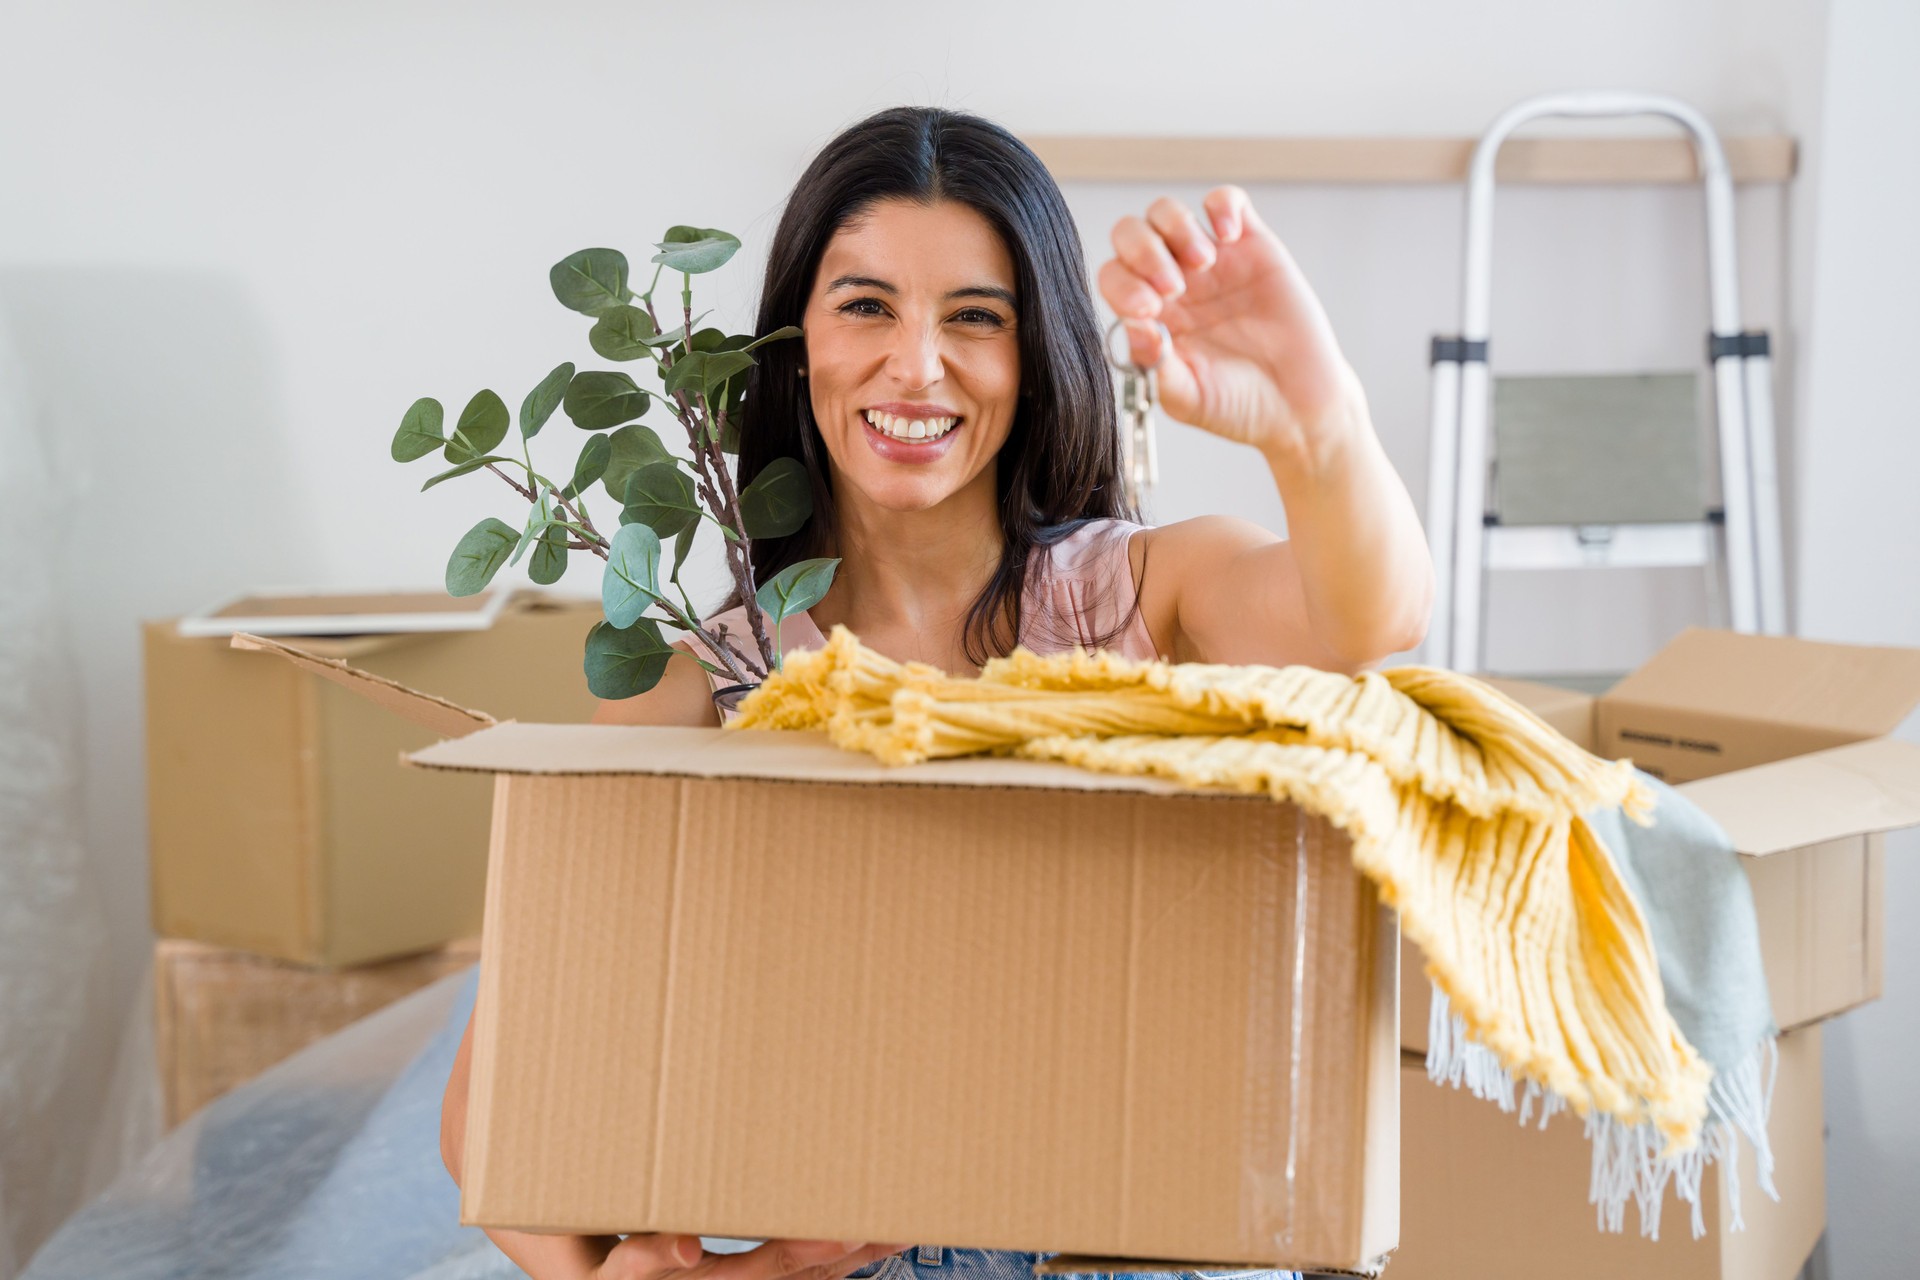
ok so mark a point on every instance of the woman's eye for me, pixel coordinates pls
(861, 302)
(979, 315)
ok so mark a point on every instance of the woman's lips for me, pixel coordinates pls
(908, 450)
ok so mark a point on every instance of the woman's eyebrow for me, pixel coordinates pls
(969, 291)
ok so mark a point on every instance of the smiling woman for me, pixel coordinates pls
(952, 410)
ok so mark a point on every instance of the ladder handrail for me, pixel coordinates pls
(1476, 276)
(1461, 391)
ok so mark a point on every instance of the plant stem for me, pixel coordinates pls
(755, 618)
(739, 563)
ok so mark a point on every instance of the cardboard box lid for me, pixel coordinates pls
(1863, 691)
(1849, 790)
(788, 755)
(445, 718)
(353, 625)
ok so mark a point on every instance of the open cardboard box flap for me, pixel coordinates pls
(1850, 790)
(443, 717)
(1853, 690)
(475, 742)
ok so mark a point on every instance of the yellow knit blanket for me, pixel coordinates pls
(1461, 805)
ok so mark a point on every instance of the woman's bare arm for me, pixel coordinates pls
(1350, 585)
(680, 698)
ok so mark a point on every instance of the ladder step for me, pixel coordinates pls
(1620, 546)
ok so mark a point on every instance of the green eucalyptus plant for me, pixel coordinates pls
(662, 497)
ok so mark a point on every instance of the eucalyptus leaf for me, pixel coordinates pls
(544, 399)
(549, 556)
(631, 581)
(721, 365)
(631, 447)
(708, 339)
(622, 333)
(696, 249)
(672, 336)
(660, 495)
(422, 430)
(688, 373)
(730, 430)
(597, 399)
(784, 331)
(591, 281)
(471, 464)
(796, 588)
(681, 546)
(778, 501)
(592, 464)
(539, 516)
(483, 424)
(624, 661)
(479, 555)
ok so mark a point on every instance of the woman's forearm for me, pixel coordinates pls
(1362, 556)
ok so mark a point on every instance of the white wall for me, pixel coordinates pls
(236, 241)
(1860, 579)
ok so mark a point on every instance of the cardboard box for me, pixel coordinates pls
(221, 1017)
(1784, 743)
(1487, 1197)
(277, 822)
(753, 985)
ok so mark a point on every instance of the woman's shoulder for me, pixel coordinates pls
(1084, 593)
(1091, 547)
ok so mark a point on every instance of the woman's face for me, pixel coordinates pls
(913, 366)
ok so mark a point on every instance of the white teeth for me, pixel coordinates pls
(908, 428)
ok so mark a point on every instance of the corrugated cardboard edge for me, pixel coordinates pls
(448, 719)
(1081, 1264)
(778, 755)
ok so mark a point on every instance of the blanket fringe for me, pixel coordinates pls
(1628, 1163)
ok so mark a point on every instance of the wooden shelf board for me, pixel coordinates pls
(1088, 158)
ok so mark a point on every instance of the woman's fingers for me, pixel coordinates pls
(1147, 254)
(649, 1256)
(778, 1259)
(1231, 210)
(1125, 291)
(1181, 232)
(856, 1260)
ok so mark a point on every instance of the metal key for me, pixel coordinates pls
(1139, 451)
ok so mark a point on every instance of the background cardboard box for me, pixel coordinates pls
(278, 823)
(1487, 1197)
(221, 1017)
(1782, 741)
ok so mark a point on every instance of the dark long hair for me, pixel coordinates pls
(1060, 465)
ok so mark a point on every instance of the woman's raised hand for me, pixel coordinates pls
(1254, 358)
(679, 1257)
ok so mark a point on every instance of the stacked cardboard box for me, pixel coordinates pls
(299, 880)
(221, 1016)
(1785, 742)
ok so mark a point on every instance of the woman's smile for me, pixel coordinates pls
(910, 433)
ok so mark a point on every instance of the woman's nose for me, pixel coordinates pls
(916, 360)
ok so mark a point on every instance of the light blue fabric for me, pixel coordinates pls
(328, 1167)
(1686, 876)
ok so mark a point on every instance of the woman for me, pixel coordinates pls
(952, 401)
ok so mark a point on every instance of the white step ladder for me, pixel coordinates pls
(1739, 541)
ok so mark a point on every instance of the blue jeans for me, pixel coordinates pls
(931, 1263)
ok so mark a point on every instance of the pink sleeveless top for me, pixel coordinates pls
(1081, 592)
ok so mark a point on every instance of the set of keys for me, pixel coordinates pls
(1139, 454)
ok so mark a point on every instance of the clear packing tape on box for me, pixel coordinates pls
(1465, 808)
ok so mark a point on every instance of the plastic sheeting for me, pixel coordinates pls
(326, 1167)
(57, 1015)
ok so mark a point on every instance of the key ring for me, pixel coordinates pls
(1166, 345)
